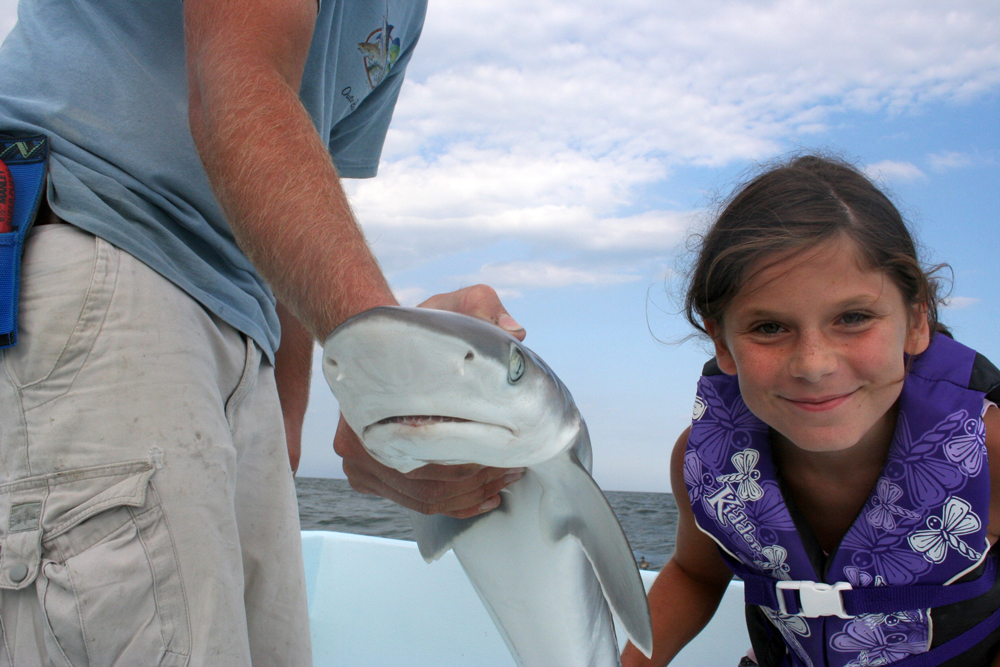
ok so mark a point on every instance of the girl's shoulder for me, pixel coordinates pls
(677, 456)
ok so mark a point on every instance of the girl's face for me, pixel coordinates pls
(817, 342)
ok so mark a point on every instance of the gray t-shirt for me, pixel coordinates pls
(106, 81)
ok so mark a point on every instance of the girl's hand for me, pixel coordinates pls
(688, 590)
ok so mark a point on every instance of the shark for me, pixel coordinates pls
(551, 562)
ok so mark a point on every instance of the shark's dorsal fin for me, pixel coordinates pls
(436, 534)
(580, 510)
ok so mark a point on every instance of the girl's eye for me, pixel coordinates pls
(768, 328)
(854, 318)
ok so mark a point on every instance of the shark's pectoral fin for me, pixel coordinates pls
(579, 509)
(436, 533)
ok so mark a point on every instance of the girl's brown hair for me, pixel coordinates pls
(792, 208)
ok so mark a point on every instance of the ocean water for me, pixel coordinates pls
(649, 519)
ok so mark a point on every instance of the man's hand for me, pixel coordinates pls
(460, 491)
(477, 301)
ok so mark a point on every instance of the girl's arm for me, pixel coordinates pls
(688, 590)
(992, 421)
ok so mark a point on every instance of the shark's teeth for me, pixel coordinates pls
(420, 420)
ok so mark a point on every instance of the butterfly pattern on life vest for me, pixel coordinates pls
(918, 464)
(884, 508)
(725, 427)
(745, 476)
(969, 448)
(882, 639)
(696, 479)
(774, 562)
(957, 518)
(857, 577)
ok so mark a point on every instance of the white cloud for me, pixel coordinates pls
(526, 275)
(419, 209)
(949, 160)
(959, 302)
(543, 121)
(706, 82)
(888, 170)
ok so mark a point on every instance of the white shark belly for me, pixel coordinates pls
(542, 594)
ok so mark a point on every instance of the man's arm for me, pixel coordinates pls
(268, 167)
(281, 195)
(292, 373)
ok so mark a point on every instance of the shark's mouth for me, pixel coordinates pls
(418, 420)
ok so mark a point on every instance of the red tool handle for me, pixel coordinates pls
(6, 199)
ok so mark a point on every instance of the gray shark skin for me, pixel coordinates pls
(424, 386)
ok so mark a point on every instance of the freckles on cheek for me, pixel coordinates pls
(756, 367)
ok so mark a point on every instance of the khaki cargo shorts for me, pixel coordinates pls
(147, 509)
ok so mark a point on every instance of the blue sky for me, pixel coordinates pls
(564, 151)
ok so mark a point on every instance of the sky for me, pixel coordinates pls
(564, 152)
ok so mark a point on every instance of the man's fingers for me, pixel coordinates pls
(478, 500)
(477, 301)
(448, 473)
(459, 491)
(449, 495)
(430, 497)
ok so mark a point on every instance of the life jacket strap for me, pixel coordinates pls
(812, 599)
(955, 646)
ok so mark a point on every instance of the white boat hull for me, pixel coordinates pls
(374, 602)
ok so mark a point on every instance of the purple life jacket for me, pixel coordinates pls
(923, 528)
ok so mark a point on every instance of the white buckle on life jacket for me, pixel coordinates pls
(815, 599)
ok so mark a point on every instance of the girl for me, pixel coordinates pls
(844, 451)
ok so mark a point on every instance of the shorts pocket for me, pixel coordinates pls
(67, 281)
(108, 581)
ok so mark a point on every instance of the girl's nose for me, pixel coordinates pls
(813, 358)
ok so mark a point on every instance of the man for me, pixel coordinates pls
(147, 511)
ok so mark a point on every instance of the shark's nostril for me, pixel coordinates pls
(470, 356)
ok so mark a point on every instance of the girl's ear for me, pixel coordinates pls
(722, 354)
(918, 335)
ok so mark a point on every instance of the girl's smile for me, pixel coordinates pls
(818, 343)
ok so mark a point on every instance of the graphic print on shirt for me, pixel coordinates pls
(380, 51)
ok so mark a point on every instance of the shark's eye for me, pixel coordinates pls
(515, 368)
